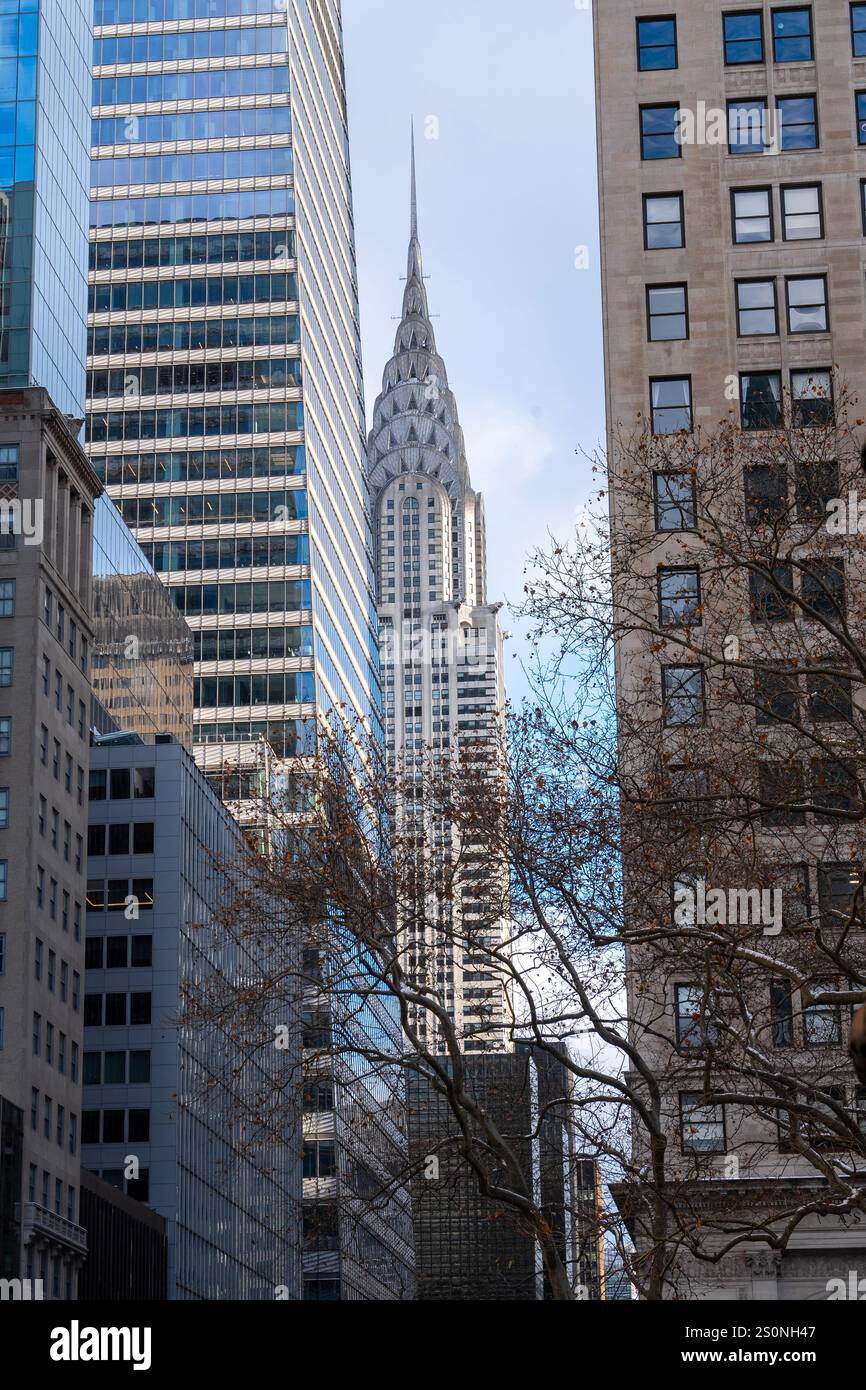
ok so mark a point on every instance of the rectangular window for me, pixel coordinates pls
(798, 117)
(659, 127)
(747, 125)
(98, 790)
(116, 952)
(675, 501)
(114, 1069)
(858, 30)
(822, 1023)
(667, 313)
(682, 696)
(656, 44)
(692, 1028)
(679, 597)
(752, 212)
(811, 399)
(6, 738)
(671, 399)
(140, 1011)
(120, 783)
(744, 37)
(807, 303)
(2, 953)
(141, 953)
(792, 35)
(823, 587)
(802, 212)
(761, 400)
(770, 594)
(840, 896)
(118, 839)
(7, 657)
(320, 1160)
(96, 840)
(757, 313)
(139, 1068)
(142, 837)
(7, 598)
(4, 808)
(144, 783)
(115, 1010)
(702, 1126)
(139, 1126)
(663, 221)
(777, 696)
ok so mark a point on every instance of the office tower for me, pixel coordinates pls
(48, 492)
(225, 394)
(473, 1248)
(732, 226)
(225, 400)
(127, 1249)
(442, 659)
(44, 80)
(46, 635)
(171, 1099)
(618, 1287)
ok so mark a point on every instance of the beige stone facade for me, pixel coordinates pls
(43, 846)
(678, 232)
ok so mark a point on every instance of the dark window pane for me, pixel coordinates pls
(113, 1126)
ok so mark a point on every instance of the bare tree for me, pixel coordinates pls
(680, 867)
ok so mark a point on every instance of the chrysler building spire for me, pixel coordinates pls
(442, 662)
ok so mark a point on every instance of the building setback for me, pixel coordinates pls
(442, 661)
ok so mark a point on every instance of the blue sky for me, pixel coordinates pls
(507, 192)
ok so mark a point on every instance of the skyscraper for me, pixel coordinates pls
(48, 492)
(225, 400)
(226, 416)
(176, 1106)
(442, 651)
(730, 141)
(43, 197)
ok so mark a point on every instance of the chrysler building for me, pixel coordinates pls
(442, 670)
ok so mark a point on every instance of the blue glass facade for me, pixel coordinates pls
(44, 132)
(234, 253)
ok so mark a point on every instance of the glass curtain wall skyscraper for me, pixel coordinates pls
(224, 382)
(226, 417)
(44, 53)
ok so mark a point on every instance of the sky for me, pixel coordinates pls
(502, 96)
